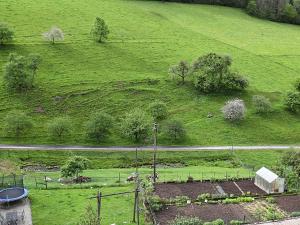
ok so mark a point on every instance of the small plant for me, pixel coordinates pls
(215, 222)
(270, 200)
(236, 222)
(261, 104)
(180, 200)
(237, 200)
(6, 33)
(295, 214)
(234, 110)
(180, 220)
(156, 203)
(203, 197)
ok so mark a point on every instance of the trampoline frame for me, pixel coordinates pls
(8, 200)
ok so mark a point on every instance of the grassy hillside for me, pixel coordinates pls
(130, 70)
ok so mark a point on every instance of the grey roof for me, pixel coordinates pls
(267, 174)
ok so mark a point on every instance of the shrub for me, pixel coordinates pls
(59, 127)
(98, 126)
(212, 74)
(54, 34)
(17, 123)
(74, 166)
(295, 214)
(158, 110)
(155, 203)
(136, 125)
(236, 222)
(234, 110)
(180, 220)
(289, 12)
(252, 8)
(100, 30)
(6, 33)
(292, 102)
(175, 130)
(261, 104)
(297, 83)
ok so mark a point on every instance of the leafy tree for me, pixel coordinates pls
(100, 30)
(292, 102)
(17, 123)
(6, 33)
(212, 74)
(19, 71)
(175, 130)
(234, 110)
(34, 61)
(90, 217)
(54, 34)
(74, 166)
(261, 104)
(98, 126)
(252, 8)
(158, 110)
(136, 125)
(59, 127)
(289, 12)
(182, 69)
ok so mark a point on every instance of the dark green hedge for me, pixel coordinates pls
(230, 3)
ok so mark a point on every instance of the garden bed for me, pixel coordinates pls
(289, 203)
(206, 212)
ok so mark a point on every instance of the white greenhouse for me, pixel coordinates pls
(268, 181)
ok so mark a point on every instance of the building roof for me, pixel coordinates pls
(267, 174)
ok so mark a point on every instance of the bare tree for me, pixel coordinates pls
(54, 34)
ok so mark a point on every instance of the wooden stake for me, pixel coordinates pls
(99, 195)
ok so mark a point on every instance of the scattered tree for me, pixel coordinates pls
(90, 217)
(54, 34)
(292, 102)
(59, 128)
(98, 126)
(19, 71)
(74, 166)
(17, 123)
(136, 125)
(234, 110)
(6, 33)
(261, 104)
(212, 74)
(175, 130)
(100, 30)
(182, 70)
(158, 110)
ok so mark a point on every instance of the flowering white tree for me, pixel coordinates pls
(234, 110)
(54, 34)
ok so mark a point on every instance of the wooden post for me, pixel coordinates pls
(154, 153)
(99, 195)
(119, 178)
(36, 185)
(46, 183)
(135, 206)
(226, 176)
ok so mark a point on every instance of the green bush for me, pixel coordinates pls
(292, 102)
(180, 200)
(261, 104)
(236, 222)
(203, 197)
(252, 8)
(180, 220)
(156, 203)
(295, 214)
(158, 110)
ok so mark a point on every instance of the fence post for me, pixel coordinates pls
(99, 195)
(119, 178)
(15, 180)
(226, 176)
(202, 177)
(36, 185)
(46, 183)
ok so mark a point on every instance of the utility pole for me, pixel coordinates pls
(155, 151)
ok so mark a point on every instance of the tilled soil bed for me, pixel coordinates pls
(249, 186)
(192, 190)
(230, 188)
(207, 212)
(289, 203)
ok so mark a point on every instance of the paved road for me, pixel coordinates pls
(145, 148)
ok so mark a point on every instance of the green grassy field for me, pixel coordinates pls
(130, 70)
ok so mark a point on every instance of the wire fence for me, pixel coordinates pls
(11, 181)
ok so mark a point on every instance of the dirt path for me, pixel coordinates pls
(145, 148)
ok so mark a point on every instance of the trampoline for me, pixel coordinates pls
(12, 194)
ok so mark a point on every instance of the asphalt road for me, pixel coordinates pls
(145, 148)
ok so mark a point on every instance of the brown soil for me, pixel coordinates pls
(289, 203)
(192, 190)
(207, 212)
(249, 186)
(230, 188)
